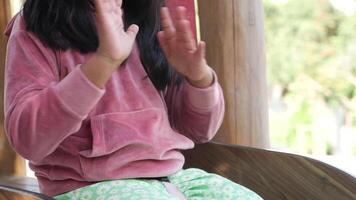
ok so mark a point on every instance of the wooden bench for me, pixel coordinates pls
(273, 175)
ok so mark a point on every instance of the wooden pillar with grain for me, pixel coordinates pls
(10, 162)
(234, 32)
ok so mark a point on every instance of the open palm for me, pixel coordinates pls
(114, 42)
(181, 49)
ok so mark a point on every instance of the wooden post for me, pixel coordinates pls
(234, 32)
(10, 162)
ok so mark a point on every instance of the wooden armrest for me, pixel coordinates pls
(273, 175)
(20, 188)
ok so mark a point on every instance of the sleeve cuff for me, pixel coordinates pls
(78, 93)
(203, 98)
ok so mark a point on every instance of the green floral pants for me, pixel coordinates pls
(195, 184)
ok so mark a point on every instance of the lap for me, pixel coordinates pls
(125, 189)
(195, 184)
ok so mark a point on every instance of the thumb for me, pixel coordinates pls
(201, 51)
(132, 31)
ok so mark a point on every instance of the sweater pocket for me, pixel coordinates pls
(146, 130)
(124, 141)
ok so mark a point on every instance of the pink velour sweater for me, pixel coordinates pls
(75, 134)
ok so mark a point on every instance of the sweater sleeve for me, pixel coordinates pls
(196, 112)
(41, 110)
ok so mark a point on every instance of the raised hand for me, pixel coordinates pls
(115, 44)
(181, 49)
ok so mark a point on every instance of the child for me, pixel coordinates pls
(101, 96)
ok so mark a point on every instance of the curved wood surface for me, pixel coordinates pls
(5, 194)
(273, 175)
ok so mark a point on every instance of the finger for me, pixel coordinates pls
(184, 32)
(163, 43)
(132, 31)
(167, 24)
(185, 35)
(179, 14)
(201, 50)
(119, 3)
(102, 6)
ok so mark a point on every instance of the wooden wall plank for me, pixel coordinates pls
(234, 32)
(10, 162)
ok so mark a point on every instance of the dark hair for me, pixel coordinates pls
(65, 24)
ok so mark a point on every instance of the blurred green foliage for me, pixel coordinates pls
(311, 58)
